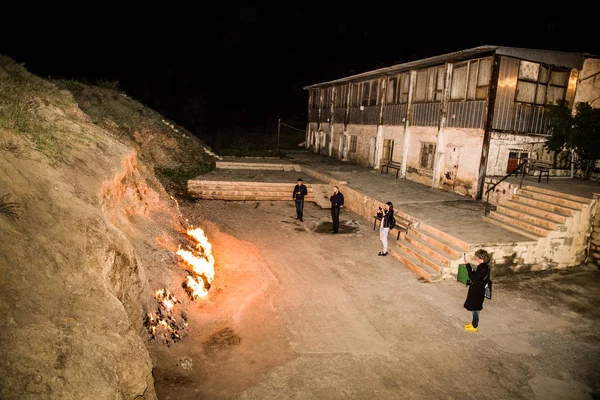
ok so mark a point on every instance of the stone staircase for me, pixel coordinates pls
(536, 212)
(270, 166)
(245, 191)
(429, 252)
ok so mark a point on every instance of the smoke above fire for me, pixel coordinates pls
(165, 324)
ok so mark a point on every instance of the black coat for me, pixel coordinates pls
(303, 192)
(386, 218)
(478, 278)
(337, 200)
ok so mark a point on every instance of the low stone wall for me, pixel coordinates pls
(594, 246)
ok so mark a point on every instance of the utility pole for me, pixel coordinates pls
(278, 130)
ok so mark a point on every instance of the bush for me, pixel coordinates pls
(181, 175)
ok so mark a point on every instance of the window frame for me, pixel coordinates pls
(352, 147)
(541, 82)
(473, 88)
(431, 160)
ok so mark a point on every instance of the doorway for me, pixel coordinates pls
(515, 157)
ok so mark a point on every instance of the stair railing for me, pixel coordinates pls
(519, 168)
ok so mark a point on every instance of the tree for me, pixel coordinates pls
(578, 132)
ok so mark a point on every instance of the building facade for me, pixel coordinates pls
(451, 120)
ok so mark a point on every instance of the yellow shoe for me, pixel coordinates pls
(468, 325)
(471, 328)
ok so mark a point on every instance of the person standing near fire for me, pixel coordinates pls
(387, 222)
(477, 279)
(300, 192)
(337, 201)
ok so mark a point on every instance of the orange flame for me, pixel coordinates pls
(166, 298)
(202, 263)
(165, 325)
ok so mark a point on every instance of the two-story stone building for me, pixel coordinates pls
(454, 119)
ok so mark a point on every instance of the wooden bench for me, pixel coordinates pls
(541, 167)
(402, 225)
(386, 165)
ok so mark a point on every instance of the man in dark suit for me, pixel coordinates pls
(337, 201)
(300, 192)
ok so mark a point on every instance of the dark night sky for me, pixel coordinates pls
(175, 57)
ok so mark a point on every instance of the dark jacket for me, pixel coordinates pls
(303, 192)
(387, 218)
(337, 200)
(478, 278)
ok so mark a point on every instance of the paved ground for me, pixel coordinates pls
(456, 215)
(321, 316)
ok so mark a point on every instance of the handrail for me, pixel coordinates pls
(487, 192)
(520, 166)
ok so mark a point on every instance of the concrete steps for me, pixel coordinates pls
(515, 225)
(257, 165)
(561, 199)
(533, 219)
(536, 212)
(430, 253)
(427, 273)
(244, 191)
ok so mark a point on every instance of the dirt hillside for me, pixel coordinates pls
(89, 234)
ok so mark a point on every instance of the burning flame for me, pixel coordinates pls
(163, 324)
(201, 262)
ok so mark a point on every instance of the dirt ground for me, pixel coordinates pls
(298, 313)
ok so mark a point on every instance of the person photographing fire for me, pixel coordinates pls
(387, 222)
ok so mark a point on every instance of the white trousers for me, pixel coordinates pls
(383, 236)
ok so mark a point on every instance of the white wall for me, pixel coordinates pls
(364, 133)
(462, 155)
(418, 135)
(588, 85)
(501, 144)
(395, 133)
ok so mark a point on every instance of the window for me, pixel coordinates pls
(458, 88)
(388, 149)
(427, 155)
(404, 80)
(471, 80)
(341, 95)
(355, 95)
(314, 98)
(369, 93)
(484, 75)
(353, 142)
(435, 85)
(421, 86)
(327, 98)
(397, 89)
(541, 84)
(392, 87)
(515, 157)
(430, 84)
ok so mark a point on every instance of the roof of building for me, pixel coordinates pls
(558, 58)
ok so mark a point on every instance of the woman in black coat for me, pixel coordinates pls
(476, 295)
